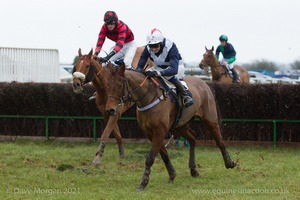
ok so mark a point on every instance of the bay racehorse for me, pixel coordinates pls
(220, 72)
(88, 70)
(156, 114)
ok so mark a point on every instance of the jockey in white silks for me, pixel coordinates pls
(167, 62)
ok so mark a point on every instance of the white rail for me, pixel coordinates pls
(29, 65)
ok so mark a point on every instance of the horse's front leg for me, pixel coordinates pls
(165, 157)
(157, 143)
(118, 137)
(111, 123)
(149, 162)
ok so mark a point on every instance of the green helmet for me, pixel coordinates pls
(223, 38)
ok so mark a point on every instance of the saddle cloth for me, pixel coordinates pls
(171, 89)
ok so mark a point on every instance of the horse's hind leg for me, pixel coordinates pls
(164, 155)
(214, 128)
(186, 132)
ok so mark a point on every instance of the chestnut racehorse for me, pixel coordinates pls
(156, 114)
(220, 72)
(87, 70)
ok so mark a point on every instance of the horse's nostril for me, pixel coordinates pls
(111, 112)
(76, 84)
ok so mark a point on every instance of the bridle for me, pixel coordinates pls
(210, 62)
(127, 96)
(81, 76)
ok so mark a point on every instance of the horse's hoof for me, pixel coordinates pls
(194, 173)
(121, 151)
(172, 177)
(96, 161)
(140, 189)
(231, 165)
(122, 156)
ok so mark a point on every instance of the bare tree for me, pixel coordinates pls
(261, 64)
(295, 64)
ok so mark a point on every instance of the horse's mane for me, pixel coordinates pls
(122, 70)
(92, 71)
(218, 63)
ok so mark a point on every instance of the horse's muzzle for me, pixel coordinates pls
(77, 88)
(201, 66)
(111, 112)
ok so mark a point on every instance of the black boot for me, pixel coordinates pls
(187, 100)
(235, 76)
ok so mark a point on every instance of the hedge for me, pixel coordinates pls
(254, 101)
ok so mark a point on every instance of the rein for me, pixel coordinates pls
(156, 99)
(127, 96)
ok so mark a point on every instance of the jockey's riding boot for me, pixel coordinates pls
(235, 76)
(92, 97)
(187, 100)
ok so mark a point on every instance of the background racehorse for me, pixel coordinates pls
(157, 119)
(220, 72)
(89, 70)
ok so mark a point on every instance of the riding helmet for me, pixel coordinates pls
(110, 16)
(223, 38)
(155, 36)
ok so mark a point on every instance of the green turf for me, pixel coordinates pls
(63, 170)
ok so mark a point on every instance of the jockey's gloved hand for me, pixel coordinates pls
(103, 60)
(111, 54)
(95, 55)
(151, 73)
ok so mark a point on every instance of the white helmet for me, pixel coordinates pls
(155, 37)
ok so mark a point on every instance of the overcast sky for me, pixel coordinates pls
(258, 29)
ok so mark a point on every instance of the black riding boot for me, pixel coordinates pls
(187, 100)
(235, 76)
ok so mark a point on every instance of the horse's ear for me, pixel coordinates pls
(212, 49)
(206, 48)
(79, 52)
(90, 53)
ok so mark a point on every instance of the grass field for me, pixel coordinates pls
(63, 170)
